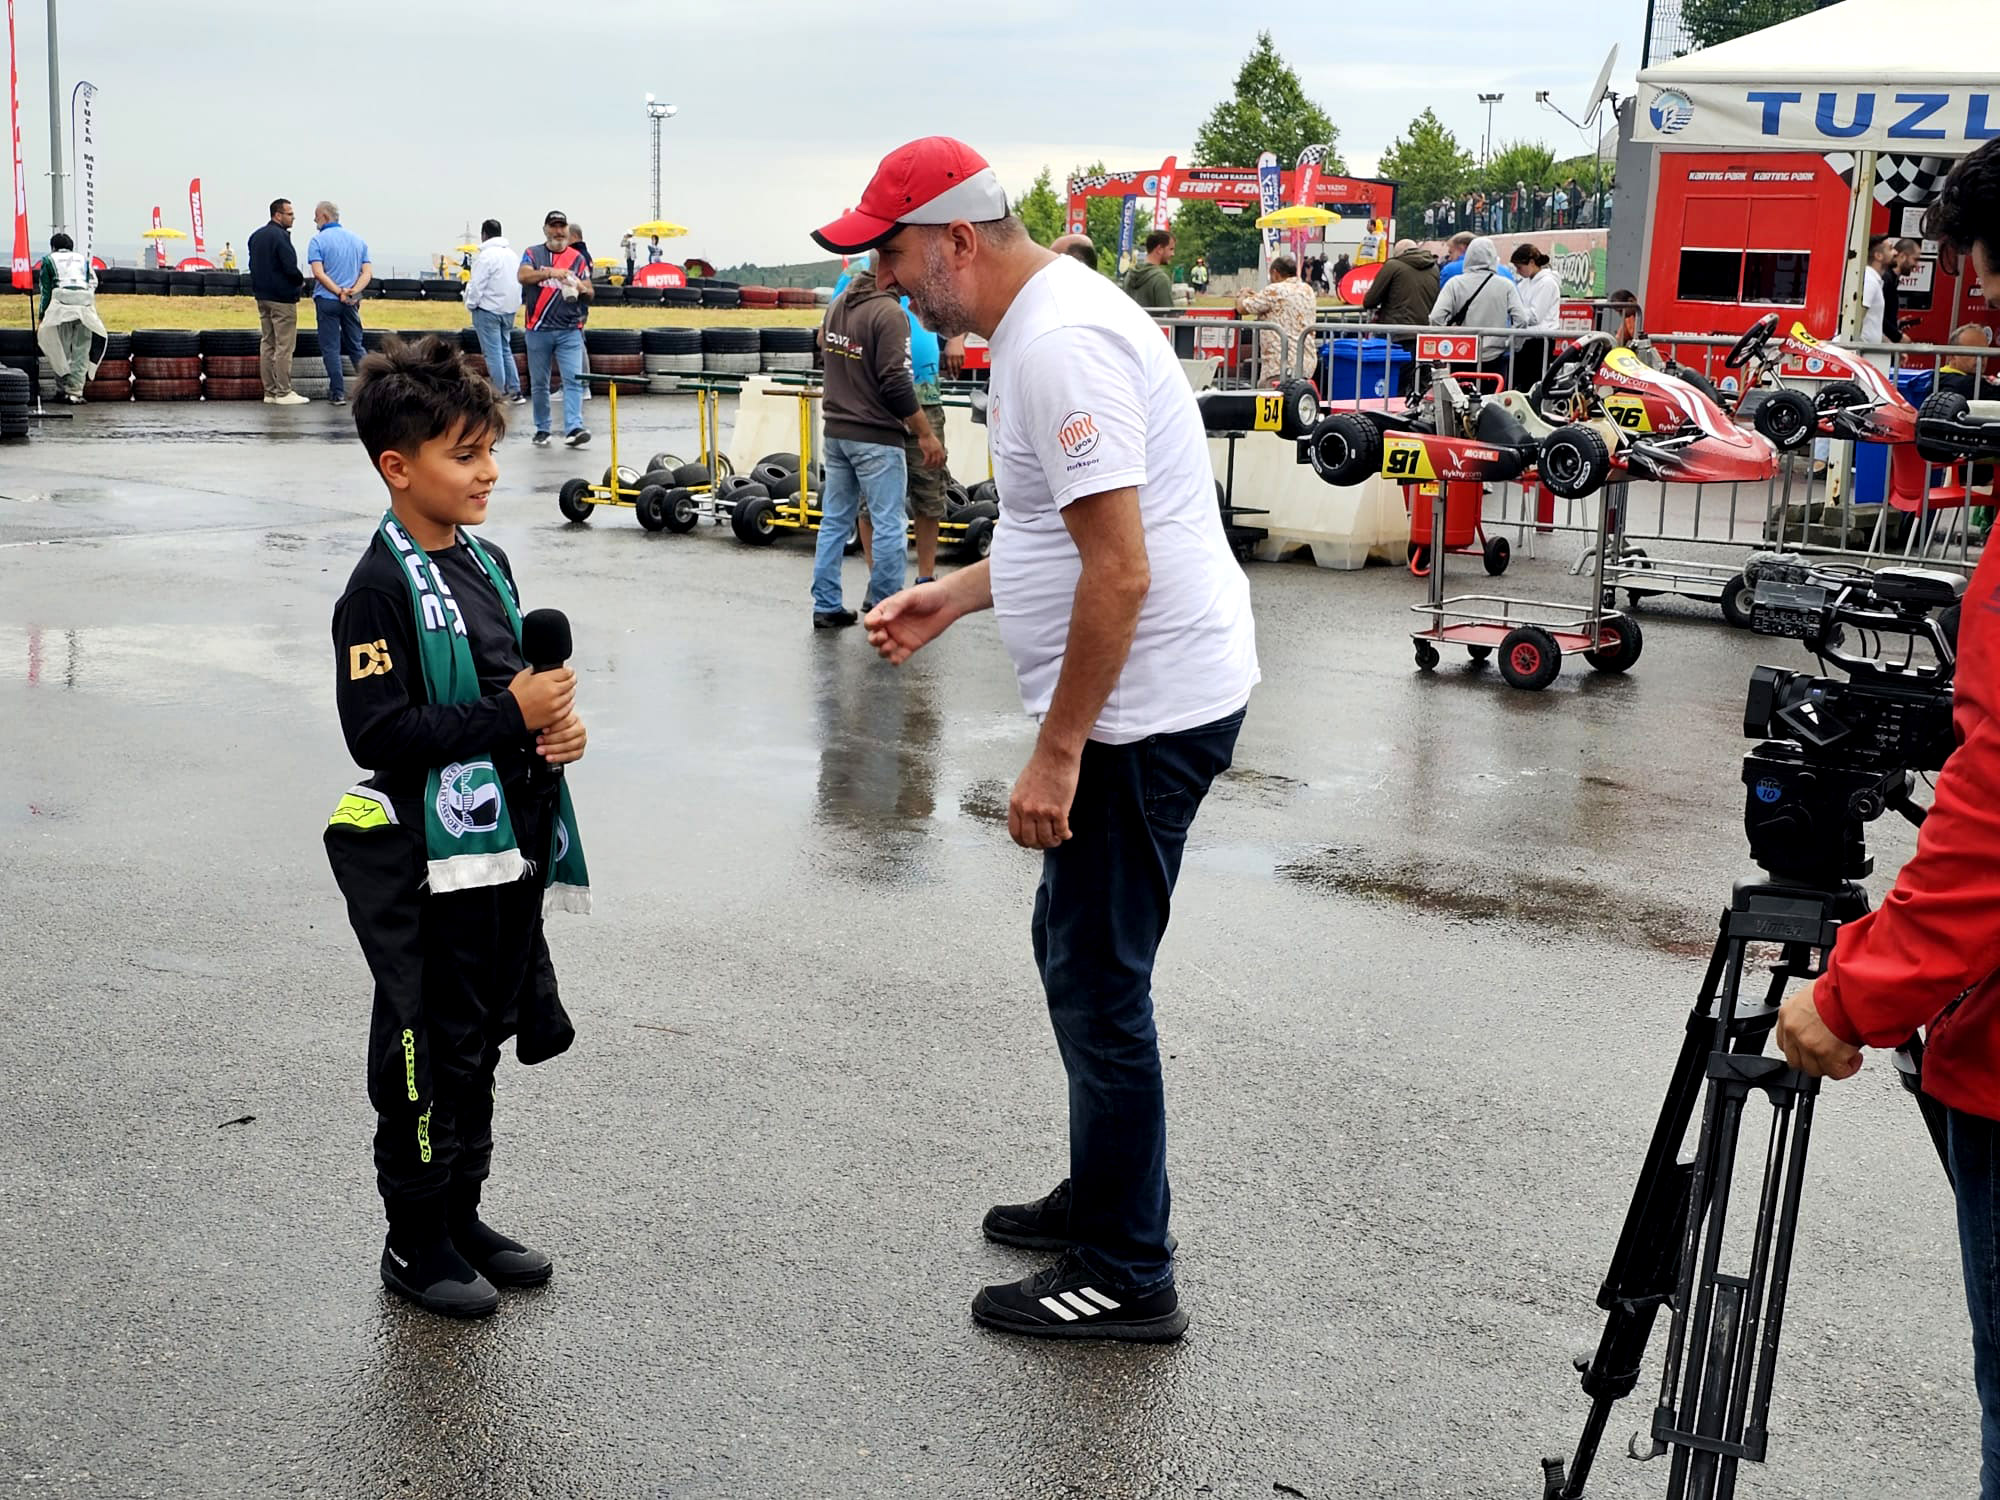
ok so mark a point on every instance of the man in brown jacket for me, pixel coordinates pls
(869, 403)
(1402, 294)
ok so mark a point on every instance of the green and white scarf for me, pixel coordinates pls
(468, 837)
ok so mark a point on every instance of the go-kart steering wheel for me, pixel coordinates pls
(1752, 343)
(1572, 369)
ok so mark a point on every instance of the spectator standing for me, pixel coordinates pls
(590, 274)
(493, 293)
(1198, 275)
(631, 249)
(1148, 283)
(558, 278)
(72, 338)
(654, 255)
(1535, 303)
(1080, 248)
(1560, 207)
(1478, 298)
(228, 257)
(1288, 303)
(1903, 262)
(338, 258)
(1455, 262)
(1340, 269)
(1874, 290)
(276, 282)
(1405, 289)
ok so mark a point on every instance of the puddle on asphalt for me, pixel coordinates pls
(1529, 903)
(986, 801)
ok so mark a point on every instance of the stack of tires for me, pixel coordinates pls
(308, 370)
(716, 293)
(605, 294)
(681, 296)
(17, 402)
(113, 381)
(150, 279)
(615, 351)
(17, 350)
(444, 289)
(220, 283)
(117, 281)
(752, 499)
(166, 365)
(184, 284)
(731, 351)
(759, 296)
(642, 296)
(671, 351)
(978, 510)
(796, 296)
(786, 348)
(229, 364)
(399, 288)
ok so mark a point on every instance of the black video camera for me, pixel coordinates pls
(1837, 752)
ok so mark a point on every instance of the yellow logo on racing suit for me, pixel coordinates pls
(1406, 458)
(369, 659)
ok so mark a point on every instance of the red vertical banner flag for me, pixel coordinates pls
(1160, 197)
(159, 246)
(194, 213)
(23, 270)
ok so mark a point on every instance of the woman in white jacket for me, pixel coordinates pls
(1477, 298)
(1535, 302)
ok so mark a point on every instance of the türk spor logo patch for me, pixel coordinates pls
(1078, 434)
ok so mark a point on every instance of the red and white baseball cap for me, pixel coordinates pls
(932, 181)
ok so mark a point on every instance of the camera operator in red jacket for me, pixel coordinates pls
(1930, 956)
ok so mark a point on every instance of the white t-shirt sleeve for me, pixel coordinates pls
(1082, 393)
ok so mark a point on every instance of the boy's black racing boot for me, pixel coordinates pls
(1041, 1225)
(436, 1277)
(1069, 1301)
(502, 1261)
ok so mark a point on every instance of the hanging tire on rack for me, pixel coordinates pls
(1530, 657)
(628, 478)
(1736, 601)
(1345, 448)
(1575, 461)
(664, 461)
(1496, 555)
(572, 500)
(683, 511)
(1622, 641)
(1788, 419)
(755, 521)
(692, 476)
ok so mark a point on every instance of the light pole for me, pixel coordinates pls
(55, 127)
(657, 113)
(1486, 150)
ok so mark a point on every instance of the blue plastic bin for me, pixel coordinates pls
(1363, 369)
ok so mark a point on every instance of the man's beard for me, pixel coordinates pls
(936, 301)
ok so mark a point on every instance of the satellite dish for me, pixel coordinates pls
(1596, 100)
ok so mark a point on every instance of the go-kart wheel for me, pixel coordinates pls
(1736, 601)
(722, 466)
(1839, 395)
(1427, 656)
(1946, 409)
(1787, 419)
(683, 511)
(778, 460)
(692, 476)
(1575, 461)
(978, 541)
(628, 479)
(1480, 654)
(779, 481)
(651, 507)
(1299, 408)
(735, 483)
(1346, 448)
(1497, 554)
(1529, 658)
(1752, 343)
(663, 461)
(1621, 639)
(755, 521)
(571, 500)
(664, 478)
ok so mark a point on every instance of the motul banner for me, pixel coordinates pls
(1160, 198)
(24, 269)
(194, 213)
(83, 140)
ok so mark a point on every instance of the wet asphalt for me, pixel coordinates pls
(1432, 953)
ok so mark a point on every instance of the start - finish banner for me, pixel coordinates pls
(194, 213)
(24, 270)
(83, 136)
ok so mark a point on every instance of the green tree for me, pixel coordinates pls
(1268, 111)
(1531, 162)
(1101, 217)
(1707, 22)
(1041, 210)
(1429, 163)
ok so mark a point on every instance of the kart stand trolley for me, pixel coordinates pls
(1531, 635)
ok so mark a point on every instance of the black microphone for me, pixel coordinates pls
(545, 638)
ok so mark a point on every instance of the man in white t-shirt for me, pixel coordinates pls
(1873, 300)
(1129, 626)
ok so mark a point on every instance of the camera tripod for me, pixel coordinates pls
(1721, 1356)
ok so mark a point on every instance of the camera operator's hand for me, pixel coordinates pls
(1807, 1042)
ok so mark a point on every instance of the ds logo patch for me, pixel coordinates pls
(369, 659)
(1078, 434)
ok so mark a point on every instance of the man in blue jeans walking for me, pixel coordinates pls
(870, 402)
(338, 260)
(493, 295)
(556, 278)
(1129, 626)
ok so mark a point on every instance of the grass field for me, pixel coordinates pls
(123, 314)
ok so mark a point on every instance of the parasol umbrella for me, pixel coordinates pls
(163, 233)
(1298, 216)
(659, 229)
(466, 250)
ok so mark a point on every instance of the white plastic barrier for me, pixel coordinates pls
(767, 423)
(1343, 526)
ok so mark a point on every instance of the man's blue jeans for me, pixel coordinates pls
(566, 348)
(496, 343)
(339, 333)
(1974, 1147)
(1100, 913)
(876, 473)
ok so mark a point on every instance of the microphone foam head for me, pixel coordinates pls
(545, 637)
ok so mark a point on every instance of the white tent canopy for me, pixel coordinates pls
(1918, 77)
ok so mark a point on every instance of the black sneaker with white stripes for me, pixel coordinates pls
(1068, 1301)
(1041, 1225)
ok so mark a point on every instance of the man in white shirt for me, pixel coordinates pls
(1129, 626)
(1873, 300)
(493, 293)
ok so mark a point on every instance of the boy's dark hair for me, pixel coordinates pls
(1157, 239)
(490, 230)
(61, 241)
(410, 393)
(276, 204)
(1967, 211)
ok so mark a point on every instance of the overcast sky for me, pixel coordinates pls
(418, 116)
